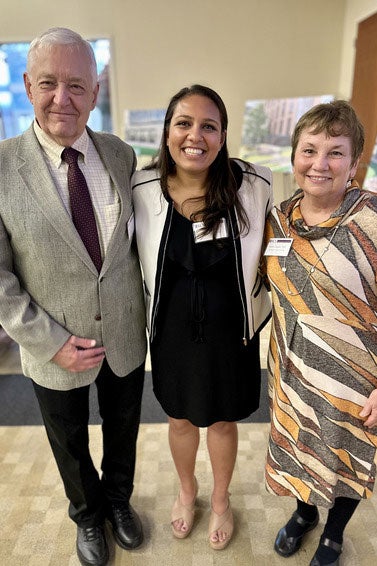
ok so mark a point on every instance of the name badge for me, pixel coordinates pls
(279, 246)
(197, 228)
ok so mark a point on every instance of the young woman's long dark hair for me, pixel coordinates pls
(221, 194)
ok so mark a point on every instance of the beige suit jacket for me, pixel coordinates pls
(49, 287)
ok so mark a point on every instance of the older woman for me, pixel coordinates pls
(322, 261)
(199, 223)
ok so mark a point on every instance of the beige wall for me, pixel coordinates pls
(245, 49)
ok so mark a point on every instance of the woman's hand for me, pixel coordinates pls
(369, 410)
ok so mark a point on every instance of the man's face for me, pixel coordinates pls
(61, 88)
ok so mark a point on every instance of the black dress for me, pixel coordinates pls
(201, 369)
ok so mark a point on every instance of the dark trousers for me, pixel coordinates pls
(66, 415)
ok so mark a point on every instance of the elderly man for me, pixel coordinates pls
(70, 286)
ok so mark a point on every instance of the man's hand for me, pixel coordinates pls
(79, 354)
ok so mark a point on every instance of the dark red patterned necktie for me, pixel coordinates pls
(81, 206)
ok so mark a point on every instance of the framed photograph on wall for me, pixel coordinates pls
(268, 126)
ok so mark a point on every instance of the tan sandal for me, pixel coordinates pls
(223, 523)
(184, 512)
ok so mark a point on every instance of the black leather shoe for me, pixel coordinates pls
(127, 528)
(330, 544)
(286, 546)
(91, 546)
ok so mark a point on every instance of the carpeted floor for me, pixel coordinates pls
(19, 407)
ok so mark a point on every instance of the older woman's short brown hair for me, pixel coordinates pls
(336, 118)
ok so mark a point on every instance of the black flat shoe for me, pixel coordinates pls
(127, 528)
(330, 544)
(285, 545)
(91, 546)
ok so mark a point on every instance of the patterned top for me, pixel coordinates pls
(323, 352)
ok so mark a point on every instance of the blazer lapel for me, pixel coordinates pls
(116, 166)
(37, 180)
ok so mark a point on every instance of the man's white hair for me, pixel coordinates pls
(61, 36)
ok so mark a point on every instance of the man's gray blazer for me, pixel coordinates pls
(49, 287)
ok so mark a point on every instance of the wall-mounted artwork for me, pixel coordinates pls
(143, 130)
(16, 112)
(268, 126)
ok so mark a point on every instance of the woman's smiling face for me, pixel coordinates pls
(195, 136)
(322, 165)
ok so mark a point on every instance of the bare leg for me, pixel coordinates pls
(222, 442)
(184, 442)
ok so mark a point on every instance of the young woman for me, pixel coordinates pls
(199, 223)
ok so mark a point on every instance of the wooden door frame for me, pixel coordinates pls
(364, 90)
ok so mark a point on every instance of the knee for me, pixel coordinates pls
(223, 428)
(181, 427)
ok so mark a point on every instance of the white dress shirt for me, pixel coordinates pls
(105, 199)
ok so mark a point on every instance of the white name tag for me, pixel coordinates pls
(279, 246)
(197, 228)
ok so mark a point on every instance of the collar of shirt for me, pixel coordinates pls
(54, 150)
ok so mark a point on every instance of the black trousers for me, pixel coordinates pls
(66, 415)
